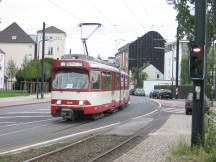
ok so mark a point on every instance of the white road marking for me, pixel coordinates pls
(26, 112)
(23, 130)
(58, 139)
(5, 117)
(7, 122)
(39, 121)
(145, 114)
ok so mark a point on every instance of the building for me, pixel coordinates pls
(2, 65)
(144, 51)
(152, 73)
(16, 44)
(170, 59)
(54, 42)
(122, 57)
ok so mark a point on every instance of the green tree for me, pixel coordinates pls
(31, 70)
(185, 17)
(184, 71)
(11, 69)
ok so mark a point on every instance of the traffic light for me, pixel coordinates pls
(197, 61)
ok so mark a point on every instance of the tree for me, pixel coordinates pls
(184, 71)
(11, 69)
(185, 17)
(31, 70)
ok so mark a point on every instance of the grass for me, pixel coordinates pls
(183, 152)
(12, 93)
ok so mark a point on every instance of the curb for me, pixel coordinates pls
(20, 103)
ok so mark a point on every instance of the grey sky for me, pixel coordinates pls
(122, 20)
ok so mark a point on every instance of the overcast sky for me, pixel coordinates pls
(122, 20)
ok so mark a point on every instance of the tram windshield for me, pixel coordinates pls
(76, 79)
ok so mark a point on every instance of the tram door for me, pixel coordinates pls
(113, 94)
(122, 89)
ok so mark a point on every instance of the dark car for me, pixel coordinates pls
(165, 93)
(188, 103)
(139, 92)
(154, 94)
(132, 91)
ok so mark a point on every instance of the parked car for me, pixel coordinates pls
(165, 93)
(132, 91)
(154, 94)
(188, 103)
(139, 92)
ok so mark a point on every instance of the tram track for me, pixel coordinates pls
(104, 153)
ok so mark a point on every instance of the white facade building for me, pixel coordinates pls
(153, 73)
(2, 65)
(16, 44)
(54, 43)
(170, 59)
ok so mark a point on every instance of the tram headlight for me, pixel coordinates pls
(58, 102)
(81, 102)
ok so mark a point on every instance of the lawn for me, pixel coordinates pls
(13, 93)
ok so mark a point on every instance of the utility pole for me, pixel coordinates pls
(42, 62)
(177, 63)
(197, 137)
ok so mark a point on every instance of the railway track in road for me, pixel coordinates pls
(97, 147)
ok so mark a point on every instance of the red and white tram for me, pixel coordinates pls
(85, 85)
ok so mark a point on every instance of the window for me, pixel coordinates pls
(95, 78)
(122, 81)
(158, 76)
(73, 79)
(57, 48)
(126, 82)
(117, 81)
(106, 80)
(14, 37)
(50, 51)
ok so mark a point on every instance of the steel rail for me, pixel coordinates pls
(134, 136)
(42, 156)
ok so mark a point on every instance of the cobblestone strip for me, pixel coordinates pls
(157, 146)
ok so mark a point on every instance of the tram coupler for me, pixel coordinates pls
(67, 114)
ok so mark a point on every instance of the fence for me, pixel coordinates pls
(28, 86)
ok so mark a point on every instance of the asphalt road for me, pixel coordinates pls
(23, 127)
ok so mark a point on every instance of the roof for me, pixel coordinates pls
(14, 34)
(2, 51)
(51, 29)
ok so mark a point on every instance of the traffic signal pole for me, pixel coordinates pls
(197, 137)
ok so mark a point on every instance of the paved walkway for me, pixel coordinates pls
(23, 100)
(158, 144)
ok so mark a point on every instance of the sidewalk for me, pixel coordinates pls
(23, 100)
(157, 146)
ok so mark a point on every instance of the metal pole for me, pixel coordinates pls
(37, 88)
(42, 71)
(197, 137)
(172, 70)
(212, 80)
(177, 65)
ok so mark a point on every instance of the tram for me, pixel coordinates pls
(83, 85)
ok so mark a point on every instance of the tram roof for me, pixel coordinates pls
(93, 62)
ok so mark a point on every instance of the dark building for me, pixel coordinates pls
(144, 51)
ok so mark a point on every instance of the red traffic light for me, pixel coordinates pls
(196, 49)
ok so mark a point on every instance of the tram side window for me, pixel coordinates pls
(95, 79)
(117, 81)
(126, 82)
(122, 81)
(106, 82)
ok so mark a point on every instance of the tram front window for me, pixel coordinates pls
(77, 79)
